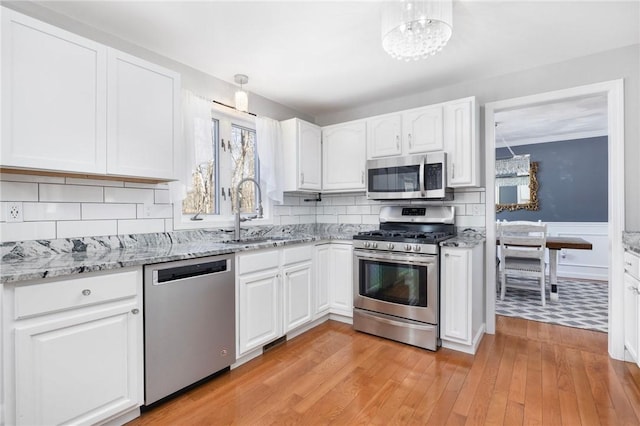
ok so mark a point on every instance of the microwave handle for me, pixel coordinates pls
(423, 188)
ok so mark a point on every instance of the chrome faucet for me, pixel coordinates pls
(236, 233)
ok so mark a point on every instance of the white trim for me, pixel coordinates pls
(616, 203)
(556, 138)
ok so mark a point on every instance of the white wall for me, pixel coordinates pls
(611, 65)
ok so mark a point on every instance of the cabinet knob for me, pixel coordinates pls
(86, 292)
(627, 263)
(135, 311)
(301, 178)
(362, 176)
(397, 142)
(446, 255)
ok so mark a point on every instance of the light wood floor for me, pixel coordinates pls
(528, 373)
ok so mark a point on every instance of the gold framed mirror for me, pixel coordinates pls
(526, 196)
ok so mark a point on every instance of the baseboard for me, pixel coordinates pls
(121, 419)
(246, 358)
(341, 318)
(461, 347)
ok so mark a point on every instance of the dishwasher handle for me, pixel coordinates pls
(164, 276)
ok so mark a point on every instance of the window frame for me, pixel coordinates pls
(225, 217)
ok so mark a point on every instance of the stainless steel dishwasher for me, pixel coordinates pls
(189, 323)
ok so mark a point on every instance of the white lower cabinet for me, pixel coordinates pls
(76, 346)
(632, 306)
(335, 278)
(462, 297)
(274, 289)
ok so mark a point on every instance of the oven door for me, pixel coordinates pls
(399, 284)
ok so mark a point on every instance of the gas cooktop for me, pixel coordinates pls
(404, 236)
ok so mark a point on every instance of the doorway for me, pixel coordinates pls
(613, 91)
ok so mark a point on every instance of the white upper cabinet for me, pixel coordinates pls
(143, 105)
(344, 156)
(422, 130)
(72, 105)
(383, 135)
(54, 97)
(302, 143)
(461, 143)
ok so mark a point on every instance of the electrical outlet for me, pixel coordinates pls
(13, 211)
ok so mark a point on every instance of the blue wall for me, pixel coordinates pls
(572, 178)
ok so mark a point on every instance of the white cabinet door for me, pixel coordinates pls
(344, 156)
(80, 369)
(309, 156)
(631, 316)
(383, 136)
(143, 108)
(302, 146)
(422, 130)
(53, 98)
(259, 313)
(323, 277)
(456, 295)
(297, 295)
(341, 283)
(461, 143)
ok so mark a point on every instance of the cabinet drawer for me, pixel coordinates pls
(45, 297)
(258, 261)
(632, 264)
(297, 254)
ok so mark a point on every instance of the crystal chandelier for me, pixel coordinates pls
(413, 30)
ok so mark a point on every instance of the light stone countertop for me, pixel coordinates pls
(631, 241)
(31, 260)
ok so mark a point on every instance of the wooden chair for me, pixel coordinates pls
(522, 251)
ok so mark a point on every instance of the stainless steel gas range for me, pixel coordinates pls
(396, 274)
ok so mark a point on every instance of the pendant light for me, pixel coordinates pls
(242, 99)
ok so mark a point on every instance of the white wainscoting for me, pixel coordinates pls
(585, 264)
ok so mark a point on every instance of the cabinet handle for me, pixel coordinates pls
(453, 170)
(135, 311)
(409, 137)
(627, 263)
(302, 178)
(86, 292)
(446, 255)
(397, 142)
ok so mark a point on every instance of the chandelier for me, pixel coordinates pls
(413, 30)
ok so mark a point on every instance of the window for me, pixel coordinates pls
(244, 164)
(213, 195)
(203, 198)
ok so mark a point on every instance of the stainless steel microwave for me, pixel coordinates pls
(422, 176)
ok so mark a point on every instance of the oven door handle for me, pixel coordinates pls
(423, 188)
(424, 260)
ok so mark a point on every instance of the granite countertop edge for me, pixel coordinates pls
(631, 241)
(67, 264)
(463, 241)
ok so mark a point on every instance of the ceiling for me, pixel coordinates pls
(325, 56)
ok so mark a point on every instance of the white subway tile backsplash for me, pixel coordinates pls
(14, 177)
(344, 201)
(168, 225)
(93, 182)
(302, 210)
(27, 231)
(279, 210)
(86, 228)
(349, 219)
(140, 226)
(162, 196)
(370, 219)
(333, 210)
(32, 212)
(71, 193)
(128, 195)
(327, 218)
(289, 220)
(359, 209)
(18, 191)
(466, 197)
(156, 211)
(291, 200)
(472, 221)
(95, 211)
(310, 218)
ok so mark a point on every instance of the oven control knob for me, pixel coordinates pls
(407, 247)
(390, 246)
(374, 245)
(367, 244)
(416, 248)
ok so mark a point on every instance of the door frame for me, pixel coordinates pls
(614, 90)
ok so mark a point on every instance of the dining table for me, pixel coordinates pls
(554, 244)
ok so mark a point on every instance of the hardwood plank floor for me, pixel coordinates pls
(527, 373)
